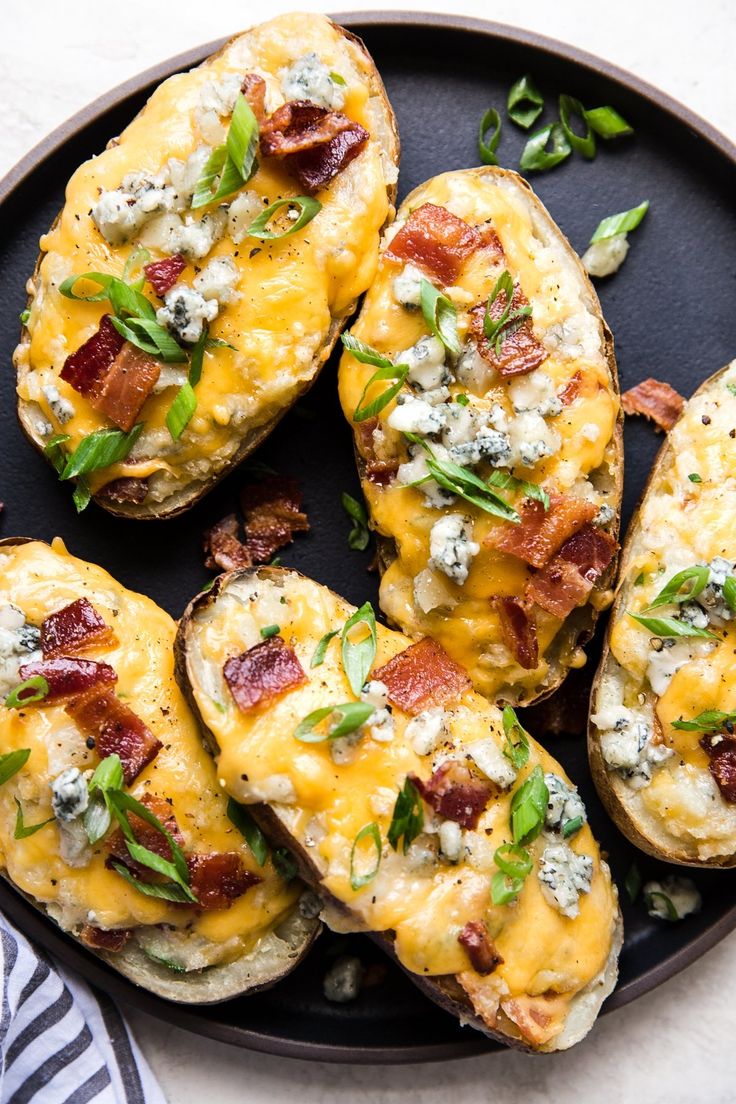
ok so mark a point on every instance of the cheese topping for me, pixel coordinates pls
(287, 293)
(39, 580)
(519, 424)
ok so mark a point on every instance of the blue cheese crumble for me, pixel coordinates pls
(563, 876)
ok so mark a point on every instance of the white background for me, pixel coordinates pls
(673, 1046)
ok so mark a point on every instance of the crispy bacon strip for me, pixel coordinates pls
(163, 274)
(223, 548)
(263, 672)
(147, 836)
(519, 632)
(520, 352)
(378, 471)
(273, 514)
(127, 384)
(438, 241)
(116, 730)
(219, 878)
(67, 676)
(721, 749)
(455, 793)
(313, 143)
(423, 676)
(565, 582)
(126, 489)
(85, 369)
(571, 390)
(484, 958)
(102, 939)
(254, 90)
(542, 532)
(75, 628)
(654, 400)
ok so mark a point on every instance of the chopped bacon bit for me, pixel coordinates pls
(273, 514)
(455, 793)
(315, 144)
(218, 879)
(721, 749)
(491, 242)
(126, 489)
(223, 548)
(263, 672)
(147, 836)
(163, 274)
(542, 532)
(116, 730)
(85, 369)
(423, 676)
(378, 471)
(520, 352)
(438, 241)
(75, 628)
(254, 90)
(102, 939)
(67, 676)
(565, 582)
(571, 390)
(128, 382)
(519, 632)
(484, 958)
(655, 400)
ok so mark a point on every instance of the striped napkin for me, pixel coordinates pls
(60, 1043)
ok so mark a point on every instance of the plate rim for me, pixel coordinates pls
(66, 948)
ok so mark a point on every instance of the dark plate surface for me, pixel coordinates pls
(671, 310)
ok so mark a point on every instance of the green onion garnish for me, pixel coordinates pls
(505, 890)
(270, 630)
(103, 279)
(358, 654)
(284, 863)
(525, 102)
(27, 693)
(462, 400)
(167, 891)
(607, 122)
(506, 481)
(585, 143)
(23, 830)
(249, 830)
(516, 744)
(321, 650)
(100, 450)
(682, 587)
(537, 158)
(729, 593)
(528, 807)
(359, 535)
(386, 370)
(408, 817)
(176, 870)
(651, 898)
(496, 329)
(11, 762)
(337, 79)
(149, 336)
(367, 832)
(513, 860)
(710, 720)
(695, 478)
(24, 317)
(440, 315)
(669, 626)
(464, 483)
(632, 882)
(307, 207)
(621, 223)
(182, 409)
(98, 817)
(230, 166)
(570, 827)
(487, 146)
(133, 269)
(350, 716)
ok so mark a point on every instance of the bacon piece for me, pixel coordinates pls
(484, 958)
(254, 90)
(571, 390)
(377, 470)
(314, 144)
(423, 676)
(163, 274)
(272, 511)
(218, 879)
(566, 581)
(455, 793)
(102, 939)
(75, 628)
(223, 548)
(721, 749)
(67, 676)
(116, 730)
(519, 631)
(436, 240)
(491, 242)
(263, 672)
(128, 382)
(147, 836)
(654, 400)
(542, 532)
(520, 352)
(126, 489)
(85, 369)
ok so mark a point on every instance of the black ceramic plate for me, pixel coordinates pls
(671, 310)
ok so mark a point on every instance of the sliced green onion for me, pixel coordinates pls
(513, 860)
(621, 223)
(182, 409)
(632, 882)
(407, 820)
(168, 891)
(167, 963)
(242, 138)
(270, 630)
(505, 890)
(22, 830)
(682, 587)
(525, 102)
(148, 335)
(133, 269)
(537, 158)
(487, 146)
(81, 495)
(507, 481)
(126, 300)
(655, 895)
(670, 626)
(11, 762)
(464, 483)
(249, 830)
(528, 807)
(219, 178)
(307, 206)
(359, 535)
(695, 478)
(729, 593)
(607, 122)
(585, 143)
(570, 827)
(337, 79)
(97, 817)
(33, 690)
(462, 400)
(386, 370)
(103, 279)
(350, 717)
(710, 720)
(496, 329)
(24, 317)
(284, 863)
(100, 450)
(516, 744)
(358, 655)
(369, 832)
(440, 315)
(120, 804)
(321, 650)
(58, 457)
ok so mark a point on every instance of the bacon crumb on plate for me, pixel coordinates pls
(655, 400)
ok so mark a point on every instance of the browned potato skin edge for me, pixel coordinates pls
(608, 791)
(183, 500)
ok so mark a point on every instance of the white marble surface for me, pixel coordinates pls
(674, 1045)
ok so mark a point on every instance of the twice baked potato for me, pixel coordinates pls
(231, 227)
(661, 735)
(481, 385)
(414, 808)
(111, 819)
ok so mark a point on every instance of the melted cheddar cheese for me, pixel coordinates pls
(39, 580)
(324, 804)
(288, 293)
(565, 321)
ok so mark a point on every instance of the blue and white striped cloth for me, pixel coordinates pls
(60, 1043)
